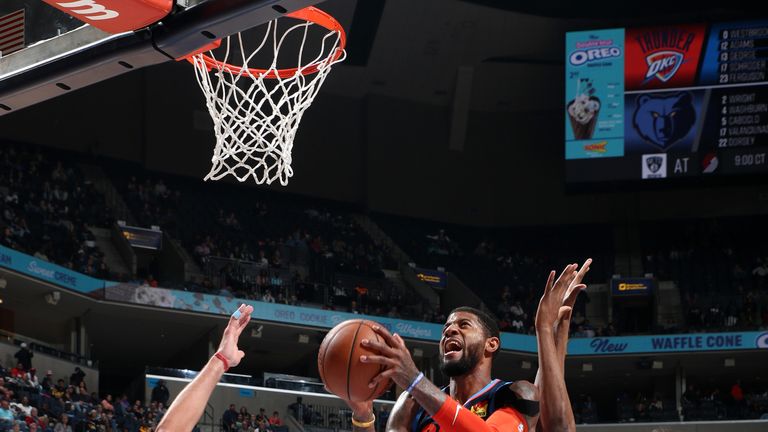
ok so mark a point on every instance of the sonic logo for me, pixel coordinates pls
(663, 65)
(598, 147)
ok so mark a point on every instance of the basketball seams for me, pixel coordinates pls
(351, 353)
(343, 379)
(321, 357)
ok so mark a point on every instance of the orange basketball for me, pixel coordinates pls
(339, 361)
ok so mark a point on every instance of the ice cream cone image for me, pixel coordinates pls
(583, 112)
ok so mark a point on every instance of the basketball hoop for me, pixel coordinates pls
(256, 111)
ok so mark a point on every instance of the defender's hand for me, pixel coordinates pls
(553, 297)
(237, 323)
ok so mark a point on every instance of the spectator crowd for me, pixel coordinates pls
(50, 403)
(46, 206)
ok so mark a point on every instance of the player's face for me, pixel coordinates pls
(462, 344)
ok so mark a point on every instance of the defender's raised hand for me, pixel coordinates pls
(553, 297)
(238, 321)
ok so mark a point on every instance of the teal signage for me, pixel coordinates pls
(310, 317)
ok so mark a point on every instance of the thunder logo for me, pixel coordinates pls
(664, 51)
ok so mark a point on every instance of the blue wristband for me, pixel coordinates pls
(416, 380)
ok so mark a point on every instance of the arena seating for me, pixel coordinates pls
(268, 247)
(720, 265)
(46, 206)
(505, 267)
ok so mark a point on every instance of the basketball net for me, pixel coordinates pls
(256, 112)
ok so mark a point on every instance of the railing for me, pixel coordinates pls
(43, 348)
(322, 417)
(209, 416)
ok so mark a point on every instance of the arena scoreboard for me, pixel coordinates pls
(666, 102)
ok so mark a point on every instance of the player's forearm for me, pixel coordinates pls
(561, 343)
(556, 413)
(189, 405)
(429, 396)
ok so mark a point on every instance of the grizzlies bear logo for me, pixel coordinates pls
(664, 120)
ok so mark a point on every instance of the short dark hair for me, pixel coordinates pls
(489, 324)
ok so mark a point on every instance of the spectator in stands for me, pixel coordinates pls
(505, 323)
(23, 407)
(229, 418)
(82, 390)
(656, 404)
(690, 400)
(737, 394)
(6, 413)
(517, 325)
(30, 378)
(59, 388)
(275, 420)
(77, 377)
(151, 281)
(4, 392)
(160, 393)
(47, 383)
(268, 297)
(353, 307)
(33, 418)
(18, 372)
(63, 424)
(24, 356)
(517, 310)
(106, 403)
(299, 410)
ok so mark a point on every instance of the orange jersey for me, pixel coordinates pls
(487, 404)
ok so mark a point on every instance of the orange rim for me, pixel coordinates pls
(311, 14)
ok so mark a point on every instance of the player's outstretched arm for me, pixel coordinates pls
(562, 329)
(556, 412)
(188, 406)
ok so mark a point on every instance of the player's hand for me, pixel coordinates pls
(237, 323)
(549, 311)
(572, 293)
(394, 355)
(563, 325)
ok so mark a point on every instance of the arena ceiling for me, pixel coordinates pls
(413, 50)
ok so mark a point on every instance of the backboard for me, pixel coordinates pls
(49, 53)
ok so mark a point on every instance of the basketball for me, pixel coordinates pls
(338, 361)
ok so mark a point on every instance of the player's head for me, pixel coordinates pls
(470, 338)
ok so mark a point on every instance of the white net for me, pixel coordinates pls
(256, 112)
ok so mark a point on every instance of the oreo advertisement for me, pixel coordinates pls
(663, 102)
(594, 94)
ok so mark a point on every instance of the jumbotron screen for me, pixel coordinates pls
(665, 102)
